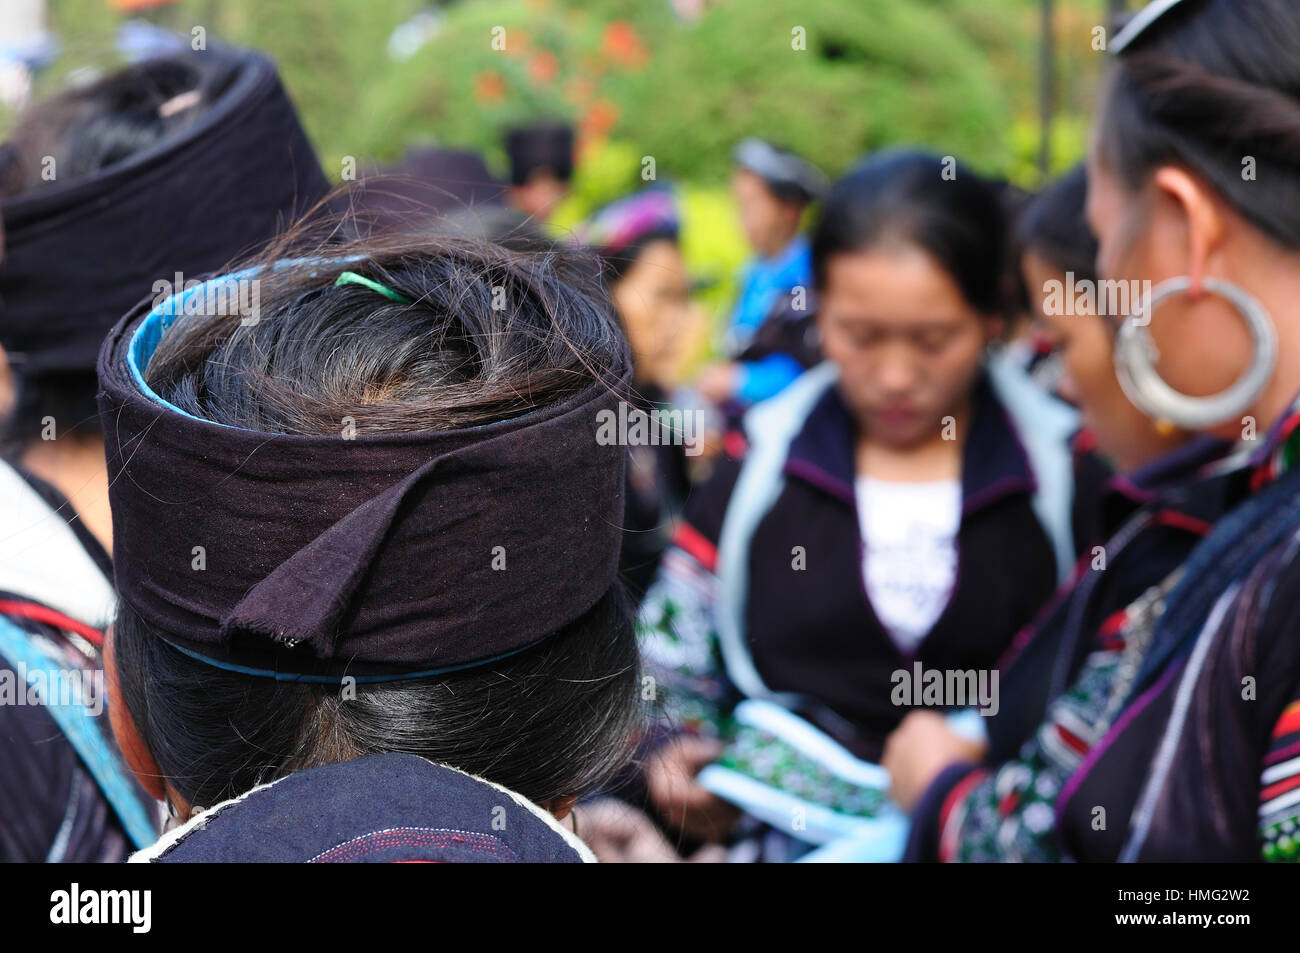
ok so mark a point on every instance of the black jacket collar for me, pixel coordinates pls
(994, 463)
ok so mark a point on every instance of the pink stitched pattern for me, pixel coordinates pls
(367, 845)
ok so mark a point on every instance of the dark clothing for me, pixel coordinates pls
(389, 808)
(657, 483)
(786, 341)
(1173, 701)
(1210, 700)
(787, 330)
(1166, 517)
(53, 807)
(814, 633)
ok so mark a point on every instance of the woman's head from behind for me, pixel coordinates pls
(1192, 175)
(73, 136)
(416, 346)
(907, 258)
(1058, 262)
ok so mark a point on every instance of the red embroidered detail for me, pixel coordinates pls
(1111, 632)
(697, 545)
(1072, 740)
(1273, 790)
(1289, 722)
(948, 839)
(39, 613)
(1182, 521)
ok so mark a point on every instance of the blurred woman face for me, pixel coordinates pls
(768, 223)
(653, 299)
(1084, 344)
(1149, 236)
(907, 343)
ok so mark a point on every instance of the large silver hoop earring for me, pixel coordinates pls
(1136, 356)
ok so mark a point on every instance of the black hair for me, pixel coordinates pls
(925, 200)
(1015, 294)
(90, 128)
(617, 264)
(1214, 85)
(1054, 226)
(556, 719)
(540, 147)
(552, 721)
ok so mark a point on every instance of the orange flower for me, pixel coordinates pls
(600, 118)
(543, 66)
(516, 41)
(579, 90)
(489, 86)
(623, 44)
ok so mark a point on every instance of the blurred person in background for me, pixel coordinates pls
(541, 167)
(637, 239)
(1057, 254)
(428, 182)
(168, 166)
(770, 337)
(906, 501)
(1177, 713)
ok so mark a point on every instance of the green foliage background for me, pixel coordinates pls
(958, 76)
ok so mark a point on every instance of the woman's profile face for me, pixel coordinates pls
(907, 343)
(653, 300)
(1147, 237)
(1083, 342)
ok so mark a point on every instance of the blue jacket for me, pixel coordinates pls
(763, 285)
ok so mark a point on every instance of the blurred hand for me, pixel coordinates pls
(684, 805)
(717, 382)
(618, 833)
(919, 749)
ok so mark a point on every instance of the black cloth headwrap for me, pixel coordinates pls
(78, 255)
(375, 555)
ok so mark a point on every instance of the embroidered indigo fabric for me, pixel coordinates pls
(78, 255)
(385, 553)
(387, 808)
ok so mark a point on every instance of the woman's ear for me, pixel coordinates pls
(559, 807)
(1203, 219)
(132, 746)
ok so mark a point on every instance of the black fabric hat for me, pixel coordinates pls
(785, 173)
(543, 146)
(78, 255)
(380, 555)
(426, 184)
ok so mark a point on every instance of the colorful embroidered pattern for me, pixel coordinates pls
(679, 645)
(773, 761)
(1010, 815)
(1279, 795)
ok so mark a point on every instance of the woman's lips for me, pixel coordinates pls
(896, 416)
